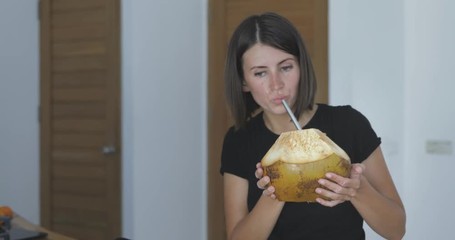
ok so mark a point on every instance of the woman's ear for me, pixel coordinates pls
(245, 87)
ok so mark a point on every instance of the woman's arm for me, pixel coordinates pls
(372, 192)
(241, 224)
(377, 199)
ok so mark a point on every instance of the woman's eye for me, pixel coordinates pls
(259, 74)
(287, 68)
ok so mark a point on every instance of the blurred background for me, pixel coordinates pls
(391, 59)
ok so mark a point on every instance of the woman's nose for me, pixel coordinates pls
(276, 82)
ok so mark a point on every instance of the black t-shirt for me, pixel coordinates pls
(348, 128)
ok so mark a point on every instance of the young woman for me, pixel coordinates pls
(267, 62)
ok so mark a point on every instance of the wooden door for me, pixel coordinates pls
(80, 127)
(310, 17)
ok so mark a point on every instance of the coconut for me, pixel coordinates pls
(298, 159)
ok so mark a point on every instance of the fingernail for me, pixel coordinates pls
(321, 181)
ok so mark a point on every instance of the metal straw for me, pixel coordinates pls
(291, 114)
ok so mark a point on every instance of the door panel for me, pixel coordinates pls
(310, 18)
(80, 99)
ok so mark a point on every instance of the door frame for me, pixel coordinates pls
(113, 110)
(217, 118)
(217, 114)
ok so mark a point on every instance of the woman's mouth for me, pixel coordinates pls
(277, 100)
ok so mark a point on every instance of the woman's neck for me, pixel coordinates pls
(283, 123)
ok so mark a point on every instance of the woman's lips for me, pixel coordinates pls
(277, 100)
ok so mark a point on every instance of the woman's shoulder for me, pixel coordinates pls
(344, 116)
(335, 108)
(351, 130)
(343, 111)
(254, 124)
(235, 133)
(339, 109)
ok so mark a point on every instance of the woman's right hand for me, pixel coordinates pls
(264, 182)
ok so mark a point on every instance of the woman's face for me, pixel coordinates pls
(271, 75)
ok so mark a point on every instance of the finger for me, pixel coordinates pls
(258, 165)
(339, 180)
(328, 194)
(272, 196)
(362, 166)
(263, 182)
(269, 191)
(328, 203)
(336, 190)
(259, 173)
(357, 171)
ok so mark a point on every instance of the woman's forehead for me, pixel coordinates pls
(264, 55)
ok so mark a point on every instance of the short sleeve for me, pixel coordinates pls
(365, 139)
(232, 159)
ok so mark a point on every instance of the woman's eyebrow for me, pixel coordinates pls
(282, 61)
(290, 58)
(254, 67)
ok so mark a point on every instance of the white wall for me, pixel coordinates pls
(366, 71)
(392, 60)
(429, 113)
(164, 120)
(19, 83)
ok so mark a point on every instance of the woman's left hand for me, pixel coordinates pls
(338, 188)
